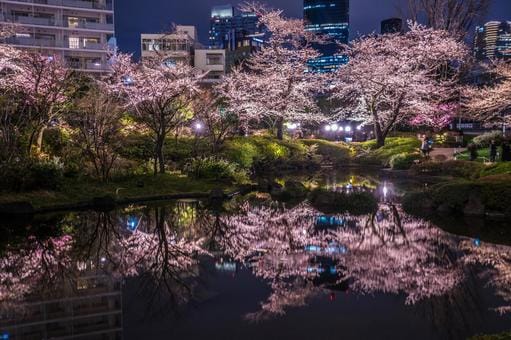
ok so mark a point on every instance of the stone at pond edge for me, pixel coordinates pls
(216, 194)
(16, 208)
(104, 203)
(295, 189)
(474, 207)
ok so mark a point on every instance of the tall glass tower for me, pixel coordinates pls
(331, 18)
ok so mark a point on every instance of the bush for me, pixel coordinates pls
(496, 169)
(483, 141)
(216, 169)
(403, 161)
(33, 175)
(240, 151)
(463, 169)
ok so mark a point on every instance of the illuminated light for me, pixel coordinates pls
(347, 128)
(359, 127)
(385, 190)
(335, 127)
(477, 242)
(103, 259)
(328, 128)
(198, 126)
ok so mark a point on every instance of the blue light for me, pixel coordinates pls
(4, 336)
(477, 242)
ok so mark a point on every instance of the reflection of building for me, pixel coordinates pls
(79, 31)
(493, 40)
(330, 18)
(178, 46)
(392, 25)
(89, 307)
(230, 30)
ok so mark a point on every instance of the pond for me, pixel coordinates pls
(255, 268)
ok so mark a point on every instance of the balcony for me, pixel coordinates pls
(90, 66)
(52, 22)
(92, 5)
(49, 43)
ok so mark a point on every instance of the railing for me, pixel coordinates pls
(90, 66)
(55, 43)
(27, 20)
(71, 3)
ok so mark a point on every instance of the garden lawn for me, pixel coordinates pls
(406, 148)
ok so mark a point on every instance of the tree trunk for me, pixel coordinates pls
(40, 139)
(280, 129)
(380, 136)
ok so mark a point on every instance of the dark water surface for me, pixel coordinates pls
(255, 268)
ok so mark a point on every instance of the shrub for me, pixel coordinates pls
(216, 169)
(484, 140)
(240, 151)
(496, 169)
(32, 175)
(403, 161)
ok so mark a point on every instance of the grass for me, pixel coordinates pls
(330, 151)
(368, 154)
(501, 336)
(74, 191)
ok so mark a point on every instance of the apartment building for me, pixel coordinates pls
(178, 46)
(80, 31)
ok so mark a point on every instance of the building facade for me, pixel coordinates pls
(231, 30)
(178, 46)
(493, 40)
(391, 26)
(329, 18)
(80, 31)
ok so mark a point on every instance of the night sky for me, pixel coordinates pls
(153, 16)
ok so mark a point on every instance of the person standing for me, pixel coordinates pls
(472, 148)
(506, 152)
(425, 146)
(493, 151)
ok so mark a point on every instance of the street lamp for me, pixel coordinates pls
(347, 129)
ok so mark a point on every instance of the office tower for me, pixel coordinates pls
(330, 18)
(392, 25)
(231, 30)
(493, 40)
(178, 46)
(80, 31)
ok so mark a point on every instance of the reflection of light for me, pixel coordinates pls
(313, 248)
(4, 336)
(132, 223)
(349, 139)
(477, 242)
(225, 266)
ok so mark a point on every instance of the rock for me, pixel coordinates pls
(295, 189)
(104, 203)
(474, 207)
(16, 208)
(276, 189)
(444, 208)
(216, 194)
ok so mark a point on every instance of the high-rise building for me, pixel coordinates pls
(392, 25)
(329, 18)
(178, 46)
(493, 40)
(231, 30)
(81, 31)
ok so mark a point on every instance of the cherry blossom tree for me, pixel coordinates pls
(273, 85)
(491, 103)
(44, 83)
(97, 123)
(210, 111)
(159, 92)
(398, 79)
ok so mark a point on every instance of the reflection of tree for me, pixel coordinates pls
(497, 261)
(35, 265)
(383, 252)
(391, 252)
